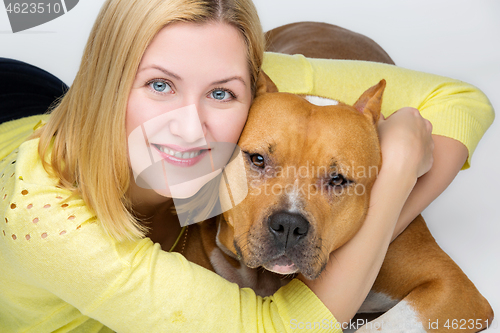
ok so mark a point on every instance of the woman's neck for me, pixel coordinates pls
(156, 212)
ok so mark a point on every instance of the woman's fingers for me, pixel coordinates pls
(406, 141)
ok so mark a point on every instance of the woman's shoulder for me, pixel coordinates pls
(32, 203)
(14, 132)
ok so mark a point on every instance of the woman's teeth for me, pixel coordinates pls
(178, 154)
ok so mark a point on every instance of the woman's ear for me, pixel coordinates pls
(264, 85)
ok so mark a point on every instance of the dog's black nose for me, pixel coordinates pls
(288, 228)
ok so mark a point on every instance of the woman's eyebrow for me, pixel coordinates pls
(239, 78)
(165, 71)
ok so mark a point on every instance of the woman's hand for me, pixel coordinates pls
(406, 141)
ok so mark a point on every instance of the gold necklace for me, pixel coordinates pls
(184, 231)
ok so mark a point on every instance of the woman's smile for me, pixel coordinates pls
(179, 156)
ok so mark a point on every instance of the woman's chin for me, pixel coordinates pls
(187, 189)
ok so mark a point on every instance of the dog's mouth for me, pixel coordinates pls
(281, 265)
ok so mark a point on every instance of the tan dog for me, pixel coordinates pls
(292, 220)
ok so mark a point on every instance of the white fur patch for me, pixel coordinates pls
(377, 302)
(293, 198)
(400, 318)
(320, 101)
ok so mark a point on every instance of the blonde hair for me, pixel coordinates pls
(86, 130)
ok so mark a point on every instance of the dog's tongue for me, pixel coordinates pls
(282, 265)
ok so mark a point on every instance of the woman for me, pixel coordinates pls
(72, 243)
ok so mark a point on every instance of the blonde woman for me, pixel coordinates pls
(73, 250)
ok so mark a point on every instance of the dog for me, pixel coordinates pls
(272, 235)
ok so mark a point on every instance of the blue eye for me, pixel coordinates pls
(160, 86)
(221, 95)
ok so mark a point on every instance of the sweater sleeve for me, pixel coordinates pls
(60, 267)
(456, 109)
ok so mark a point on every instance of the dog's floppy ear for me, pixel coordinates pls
(264, 84)
(370, 103)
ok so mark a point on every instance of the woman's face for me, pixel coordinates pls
(187, 106)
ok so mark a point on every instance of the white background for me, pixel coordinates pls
(455, 38)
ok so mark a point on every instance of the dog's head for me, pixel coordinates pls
(310, 170)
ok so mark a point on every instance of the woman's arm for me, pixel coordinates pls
(407, 146)
(59, 266)
(460, 113)
(449, 157)
(352, 269)
(457, 110)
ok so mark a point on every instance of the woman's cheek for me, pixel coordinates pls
(237, 127)
(133, 115)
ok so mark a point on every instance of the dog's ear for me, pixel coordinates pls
(370, 103)
(264, 85)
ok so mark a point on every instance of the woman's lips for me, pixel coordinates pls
(182, 157)
(176, 148)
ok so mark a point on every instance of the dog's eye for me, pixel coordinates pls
(257, 160)
(338, 180)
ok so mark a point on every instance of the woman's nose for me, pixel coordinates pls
(187, 124)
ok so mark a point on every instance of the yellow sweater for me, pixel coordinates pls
(60, 271)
